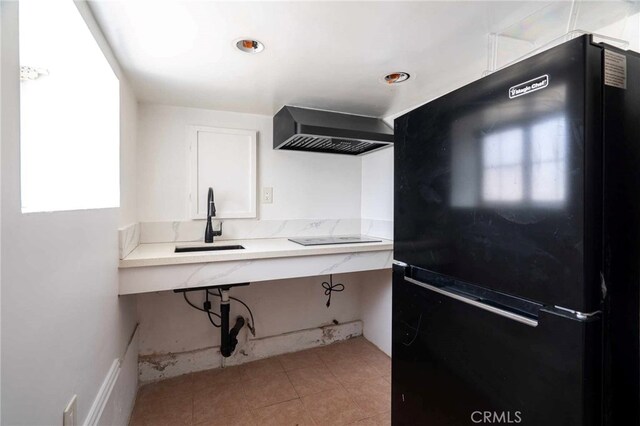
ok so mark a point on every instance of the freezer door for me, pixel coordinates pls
(455, 362)
(498, 186)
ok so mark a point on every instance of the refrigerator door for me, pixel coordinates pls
(497, 183)
(455, 363)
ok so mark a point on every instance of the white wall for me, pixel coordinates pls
(377, 185)
(305, 185)
(128, 155)
(377, 214)
(627, 29)
(375, 307)
(63, 323)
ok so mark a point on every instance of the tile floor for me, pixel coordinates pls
(339, 384)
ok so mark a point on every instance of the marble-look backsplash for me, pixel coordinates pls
(235, 229)
(128, 239)
(377, 228)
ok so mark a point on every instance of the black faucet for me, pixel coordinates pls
(209, 233)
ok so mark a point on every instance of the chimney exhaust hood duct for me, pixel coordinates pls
(303, 129)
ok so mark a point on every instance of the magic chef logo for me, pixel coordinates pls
(529, 86)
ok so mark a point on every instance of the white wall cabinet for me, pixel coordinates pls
(225, 160)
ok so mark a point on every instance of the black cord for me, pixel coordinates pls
(253, 323)
(209, 313)
(251, 326)
(191, 304)
(415, 336)
(330, 287)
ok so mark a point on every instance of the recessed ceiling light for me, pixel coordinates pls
(395, 77)
(248, 45)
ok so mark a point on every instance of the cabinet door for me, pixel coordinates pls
(225, 160)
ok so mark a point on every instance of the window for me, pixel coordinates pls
(548, 150)
(526, 165)
(503, 171)
(69, 116)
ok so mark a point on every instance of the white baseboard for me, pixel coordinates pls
(103, 394)
(115, 399)
(157, 367)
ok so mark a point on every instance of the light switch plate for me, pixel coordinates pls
(267, 195)
(71, 412)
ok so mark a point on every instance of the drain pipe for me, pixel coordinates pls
(224, 328)
(228, 338)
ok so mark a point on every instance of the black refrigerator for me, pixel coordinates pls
(517, 246)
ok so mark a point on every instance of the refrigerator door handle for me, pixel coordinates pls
(502, 312)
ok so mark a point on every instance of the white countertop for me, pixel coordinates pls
(267, 248)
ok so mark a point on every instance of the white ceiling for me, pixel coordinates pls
(327, 55)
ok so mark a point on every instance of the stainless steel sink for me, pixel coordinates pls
(187, 249)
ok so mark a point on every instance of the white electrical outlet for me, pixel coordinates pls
(267, 195)
(71, 412)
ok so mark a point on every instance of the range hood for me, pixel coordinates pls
(303, 129)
